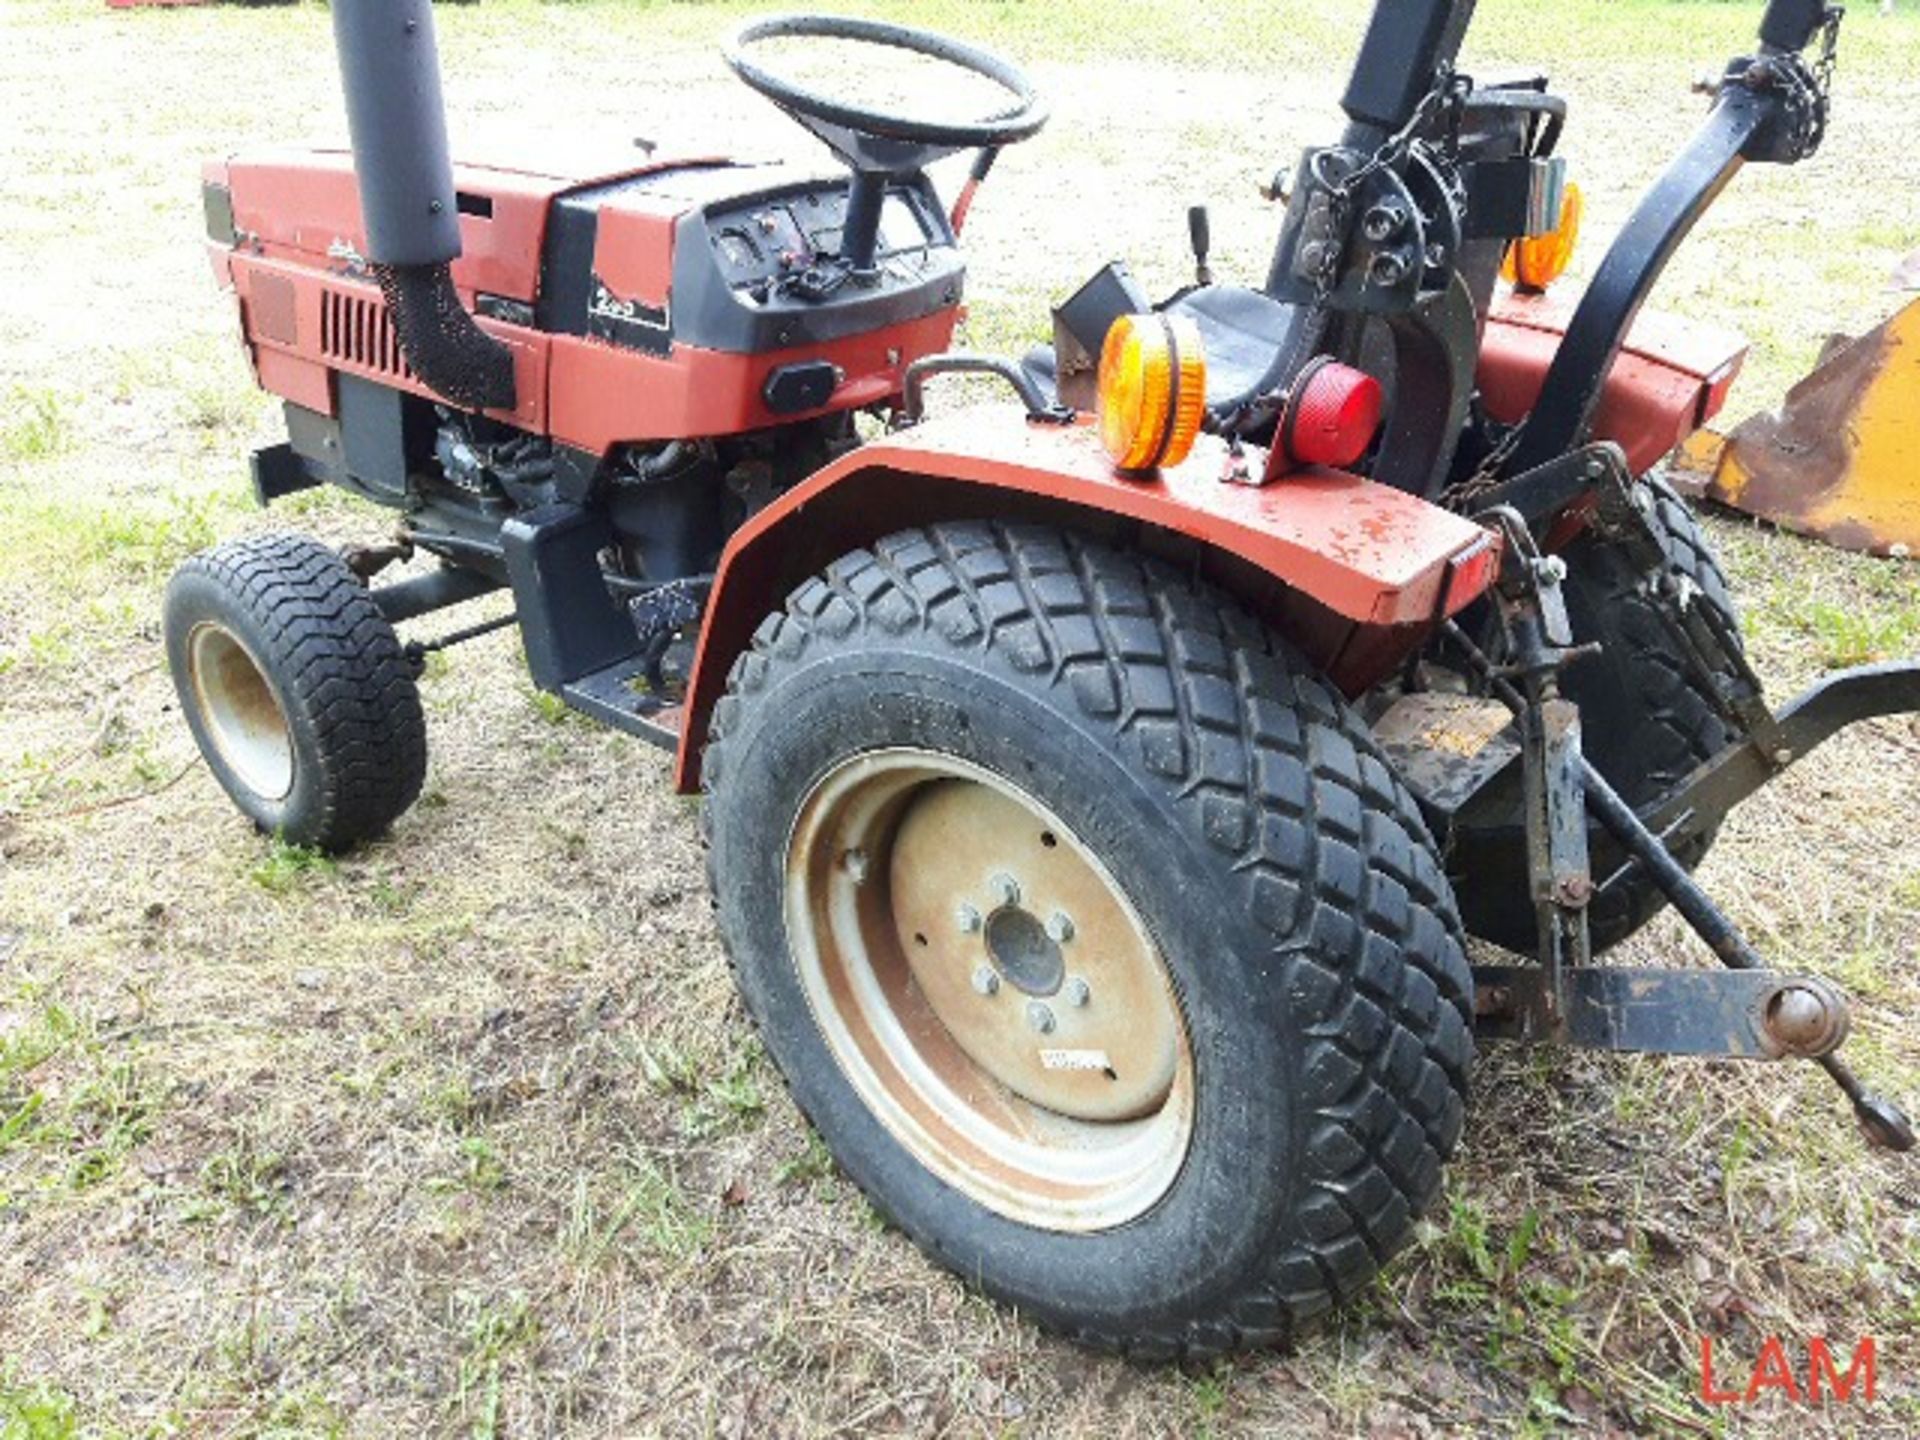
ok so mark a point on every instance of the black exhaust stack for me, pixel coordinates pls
(390, 72)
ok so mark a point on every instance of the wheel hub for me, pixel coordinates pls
(988, 988)
(1022, 951)
(242, 714)
(1109, 1057)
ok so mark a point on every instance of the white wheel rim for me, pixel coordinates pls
(240, 711)
(989, 990)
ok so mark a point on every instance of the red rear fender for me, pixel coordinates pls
(1356, 574)
(1670, 377)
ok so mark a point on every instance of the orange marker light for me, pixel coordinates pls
(1152, 390)
(1534, 262)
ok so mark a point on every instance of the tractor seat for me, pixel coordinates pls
(1248, 338)
(1247, 334)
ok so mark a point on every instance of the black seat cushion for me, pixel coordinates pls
(1246, 336)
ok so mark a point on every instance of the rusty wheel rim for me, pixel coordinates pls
(242, 715)
(989, 990)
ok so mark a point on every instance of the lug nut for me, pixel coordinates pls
(986, 980)
(1039, 1017)
(967, 918)
(1005, 888)
(1076, 992)
(854, 862)
(1060, 927)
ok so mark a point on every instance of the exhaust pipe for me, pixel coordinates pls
(390, 73)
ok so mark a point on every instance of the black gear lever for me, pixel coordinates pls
(1199, 233)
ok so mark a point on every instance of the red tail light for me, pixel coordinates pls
(1332, 415)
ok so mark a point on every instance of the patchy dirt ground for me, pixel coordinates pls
(466, 1134)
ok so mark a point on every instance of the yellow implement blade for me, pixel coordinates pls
(1841, 459)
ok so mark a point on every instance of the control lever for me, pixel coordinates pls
(976, 177)
(1199, 233)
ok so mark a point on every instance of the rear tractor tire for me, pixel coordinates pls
(1646, 721)
(1092, 934)
(296, 689)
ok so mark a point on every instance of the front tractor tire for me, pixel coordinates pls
(1092, 934)
(296, 689)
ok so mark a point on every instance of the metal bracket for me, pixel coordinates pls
(913, 386)
(1863, 693)
(1740, 1014)
(1803, 1020)
(1542, 494)
(1539, 636)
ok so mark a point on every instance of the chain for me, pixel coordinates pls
(1829, 49)
(1804, 84)
(1340, 194)
(1486, 475)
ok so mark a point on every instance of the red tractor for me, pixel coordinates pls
(1100, 785)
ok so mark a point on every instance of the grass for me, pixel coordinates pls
(37, 426)
(285, 867)
(465, 1134)
(1849, 637)
(36, 1412)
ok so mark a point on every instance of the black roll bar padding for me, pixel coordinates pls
(1406, 43)
(1789, 25)
(390, 74)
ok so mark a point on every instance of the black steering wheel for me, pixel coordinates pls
(876, 145)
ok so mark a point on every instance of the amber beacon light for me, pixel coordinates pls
(1534, 262)
(1152, 390)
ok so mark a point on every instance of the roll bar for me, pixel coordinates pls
(1407, 42)
(1789, 25)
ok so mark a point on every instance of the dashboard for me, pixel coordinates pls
(746, 247)
(765, 241)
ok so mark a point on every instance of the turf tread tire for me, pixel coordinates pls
(1268, 768)
(345, 685)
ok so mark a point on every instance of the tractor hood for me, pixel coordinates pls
(305, 205)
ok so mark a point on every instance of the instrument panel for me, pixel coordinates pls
(760, 243)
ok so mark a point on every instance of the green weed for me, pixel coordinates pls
(287, 867)
(481, 1169)
(36, 1412)
(651, 1209)
(493, 1334)
(248, 1178)
(106, 1117)
(1848, 638)
(35, 425)
(814, 1162)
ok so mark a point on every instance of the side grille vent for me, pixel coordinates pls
(357, 330)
